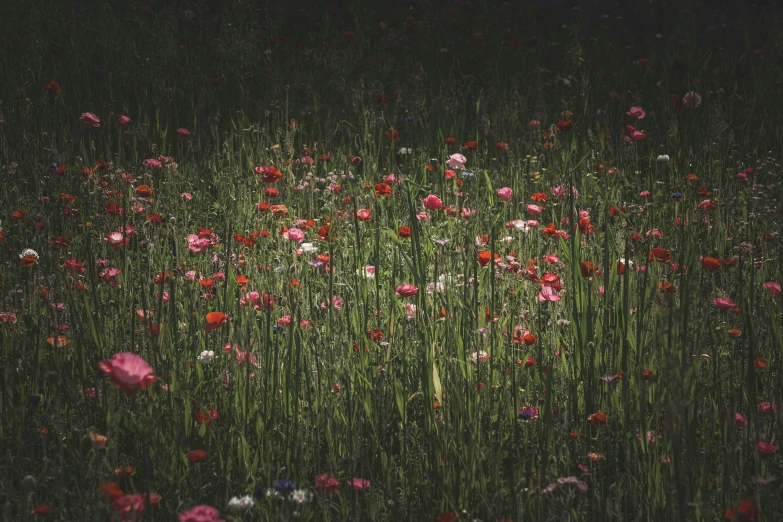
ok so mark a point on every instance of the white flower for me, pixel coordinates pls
(663, 157)
(309, 248)
(404, 151)
(521, 225)
(301, 496)
(240, 504)
(28, 252)
(206, 357)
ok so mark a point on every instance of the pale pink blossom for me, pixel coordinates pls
(534, 210)
(90, 119)
(128, 372)
(406, 290)
(636, 112)
(457, 161)
(294, 234)
(505, 193)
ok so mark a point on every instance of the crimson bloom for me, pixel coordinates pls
(406, 290)
(660, 255)
(326, 484)
(90, 119)
(766, 449)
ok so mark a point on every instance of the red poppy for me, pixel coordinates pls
(540, 197)
(393, 134)
(530, 339)
(648, 375)
(271, 192)
(667, 288)
(747, 511)
(382, 189)
(42, 511)
(215, 320)
(484, 257)
(405, 231)
(52, 88)
(588, 268)
(471, 145)
(597, 418)
(660, 255)
(450, 141)
(564, 125)
(636, 237)
(710, 263)
(766, 449)
(154, 218)
(143, 191)
(363, 214)
(196, 455)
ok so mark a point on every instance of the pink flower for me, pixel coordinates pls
(90, 119)
(561, 192)
(201, 513)
(433, 202)
(360, 484)
(547, 294)
(766, 449)
(186, 196)
(152, 163)
(534, 210)
(636, 112)
(644, 194)
(198, 244)
(116, 239)
(124, 120)
(505, 193)
(691, 100)
(249, 298)
(183, 131)
(73, 266)
(724, 303)
(326, 484)
(457, 161)
(534, 124)
(294, 234)
(637, 135)
(134, 505)
(128, 371)
(7, 317)
(284, 321)
(406, 290)
(109, 275)
(190, 275)
(773, 288)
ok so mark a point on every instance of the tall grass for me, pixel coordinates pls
(423, 396)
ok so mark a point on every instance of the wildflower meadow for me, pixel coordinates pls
(429, 261)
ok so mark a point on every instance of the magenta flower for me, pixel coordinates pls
(124, 120)
(406, 290)
(109, 275)
(360, 484)
(433, 202)
(152, 163)
(636, 112)
(534, 210)
(773, 288)
(90, 119)
(548, 294)
(644, 194)
(724, 303)
(505, 193)
(183, 131)
(198, 244)
(201, 513)
(128, 371)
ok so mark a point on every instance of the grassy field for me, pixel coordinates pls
(443, 261)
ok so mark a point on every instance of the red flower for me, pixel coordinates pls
(710, 263)
(326, 484)
(660, 255)
(588, 268)
(471, 145)
(196, 455)
(393, 134)
(564, 125)
(448, 516)
(382, 189)
(450, 141)
(52, 88)
(404, 231)
(747, 511)
(42, 511)
(596, 418)
(363, 214)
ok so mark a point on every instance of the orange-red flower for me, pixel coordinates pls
(710, 263)
(143, 191)
(382, 189)
(597, 418)
(215, 320)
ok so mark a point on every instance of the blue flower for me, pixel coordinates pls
(409, 119)
(52, 168)
(285, 485)
(277, 328)
(468, 175)
(677, 196)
